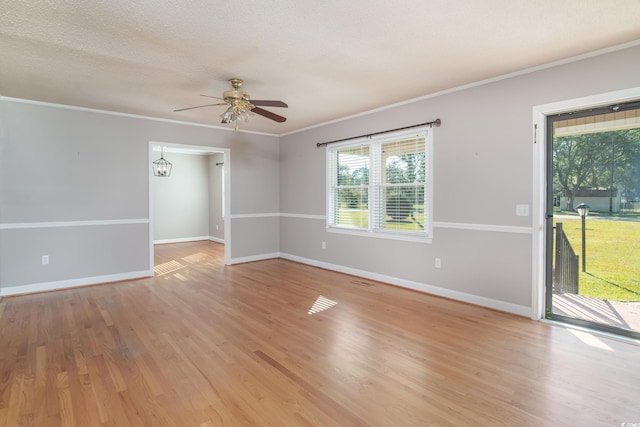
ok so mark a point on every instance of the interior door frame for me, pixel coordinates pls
(227, 192)
(540, 179)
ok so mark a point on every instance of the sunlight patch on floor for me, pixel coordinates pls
(590, 339)
(180, 277)
(196, 258)
(321, 304)
(167, 267)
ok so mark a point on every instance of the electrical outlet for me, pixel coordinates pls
(324, 245)
(438, 264)
(45, 259)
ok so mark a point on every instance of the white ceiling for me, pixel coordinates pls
(327, 59)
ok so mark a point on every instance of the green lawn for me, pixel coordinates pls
(360, 218)
(613, 257)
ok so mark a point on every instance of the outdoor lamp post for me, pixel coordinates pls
(583, 211)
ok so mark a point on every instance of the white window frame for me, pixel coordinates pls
(375, 181)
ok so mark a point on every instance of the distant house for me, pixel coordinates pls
(599, 200)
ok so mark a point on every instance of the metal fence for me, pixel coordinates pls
(565, 274)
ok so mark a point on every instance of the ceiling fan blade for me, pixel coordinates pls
(199, 106)
(269, 115)
(209, 96)
(264, 103)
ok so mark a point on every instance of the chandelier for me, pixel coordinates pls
(161, 167)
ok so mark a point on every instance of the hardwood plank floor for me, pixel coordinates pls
(276, 343)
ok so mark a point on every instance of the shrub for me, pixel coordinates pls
(399, 207)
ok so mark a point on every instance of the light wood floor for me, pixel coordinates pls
(275, 343)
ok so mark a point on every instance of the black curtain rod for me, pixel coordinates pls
(436, 122)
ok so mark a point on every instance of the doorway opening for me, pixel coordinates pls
(592, 276)
(192, 204)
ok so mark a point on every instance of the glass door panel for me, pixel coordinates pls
(593, 212)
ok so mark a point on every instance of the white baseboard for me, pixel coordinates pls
(182, 240)
(216, 239)
(434, 290)
(422, 287)
(253, 258)
(72, 283)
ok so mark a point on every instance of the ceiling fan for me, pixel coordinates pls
(240, 105)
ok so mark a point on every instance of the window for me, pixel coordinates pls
(381, 185)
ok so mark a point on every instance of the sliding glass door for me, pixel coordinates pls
(593, 218)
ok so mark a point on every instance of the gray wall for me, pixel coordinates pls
(181, 200)
(216, 218)
(483, 168)
(74, 186)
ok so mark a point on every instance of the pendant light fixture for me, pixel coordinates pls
(161, 167)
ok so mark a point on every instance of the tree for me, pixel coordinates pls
(360, 196)
(605, 160)
(360, 176)
(407, 169)
(626, 160)
(344, 176)
(416, 172)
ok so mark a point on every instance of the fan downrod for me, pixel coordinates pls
(236, 83)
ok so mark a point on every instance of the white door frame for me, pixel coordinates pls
(540, 113)
(196, 149)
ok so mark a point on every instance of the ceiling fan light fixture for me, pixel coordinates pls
(246, 116)
(228, 115)
(240, 108)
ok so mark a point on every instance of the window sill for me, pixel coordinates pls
(381, 235)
